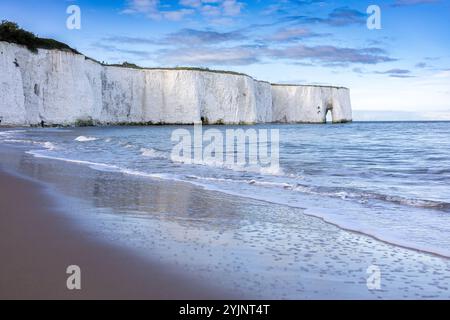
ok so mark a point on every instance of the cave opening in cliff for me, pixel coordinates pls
(329, 116)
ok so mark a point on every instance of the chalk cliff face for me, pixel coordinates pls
(63, 88)
(310, 104)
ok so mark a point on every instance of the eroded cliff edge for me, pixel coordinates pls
(64, 88)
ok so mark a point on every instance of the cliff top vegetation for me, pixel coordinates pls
(12, 33)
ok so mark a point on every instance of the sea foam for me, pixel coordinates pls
(85, 139)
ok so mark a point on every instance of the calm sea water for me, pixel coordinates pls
(390, 181)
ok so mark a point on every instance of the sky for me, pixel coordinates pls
(398, 72)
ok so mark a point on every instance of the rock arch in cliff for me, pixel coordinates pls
(329, 116)
(310, 104)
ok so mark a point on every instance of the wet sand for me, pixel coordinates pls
(37, 243)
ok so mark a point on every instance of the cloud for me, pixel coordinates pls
(151, 9)
(207, 8)
(421, 65)
(190, 37)
(141, 6)
(232, 7)
(210, 11)
(442, 74)
(292, 34)
(176, 15)
(183, 37)
(206, 56)
(215, 7)
(197, 47)
(305, 2)
(140, 54)
(196, 37)
(130, 40)
(191, 3)
(359, 70)
(396, 73)
(432, 58)
(339, 17)
(345, 16)
(393, 73)
(402, 3)
(286, 7)
(279, 43)
(331, 54)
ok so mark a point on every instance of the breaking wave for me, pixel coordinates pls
(272, 170)
(85, 139)
(152, 153)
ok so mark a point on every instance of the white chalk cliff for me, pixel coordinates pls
(63, 88)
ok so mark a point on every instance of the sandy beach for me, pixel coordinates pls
(37, 243)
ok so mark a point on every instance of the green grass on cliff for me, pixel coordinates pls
(12, 33)
(201, 70)
(134, 66)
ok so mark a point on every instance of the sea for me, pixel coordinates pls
(385, 181)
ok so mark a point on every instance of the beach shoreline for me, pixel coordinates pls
(38, 243)
(197, 243)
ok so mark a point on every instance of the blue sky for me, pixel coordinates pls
(399, 72)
